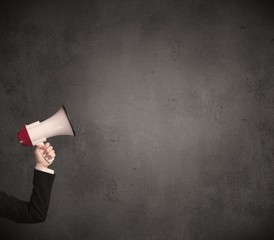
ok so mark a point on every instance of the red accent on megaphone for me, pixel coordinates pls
(23, 137)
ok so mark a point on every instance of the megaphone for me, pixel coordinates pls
(38, 132)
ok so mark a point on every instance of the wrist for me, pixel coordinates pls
(41, 167)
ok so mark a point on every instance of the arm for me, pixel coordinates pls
(36, 209)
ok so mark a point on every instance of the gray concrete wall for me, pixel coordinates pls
(172, 103)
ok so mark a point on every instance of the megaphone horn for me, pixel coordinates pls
(38, 132)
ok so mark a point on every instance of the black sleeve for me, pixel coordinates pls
(36, 209)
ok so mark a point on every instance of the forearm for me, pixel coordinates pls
(36, 209)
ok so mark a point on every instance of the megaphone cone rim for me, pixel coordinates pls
(74, 134)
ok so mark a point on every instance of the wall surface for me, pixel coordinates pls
(173, 106)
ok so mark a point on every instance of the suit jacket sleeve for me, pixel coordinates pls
(36, 209)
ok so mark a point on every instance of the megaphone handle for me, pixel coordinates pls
(43, 155)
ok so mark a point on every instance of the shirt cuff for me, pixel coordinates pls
(44, 169)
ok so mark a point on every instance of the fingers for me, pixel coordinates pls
(49, 157)
(41, 146)
(48, 152)
(47, 144)
(48, 149)
(51, 154)
(50, 160)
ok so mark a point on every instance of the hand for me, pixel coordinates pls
(44, 155)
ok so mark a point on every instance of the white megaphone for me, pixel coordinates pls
(38, 132)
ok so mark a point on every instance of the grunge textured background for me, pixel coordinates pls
(173, 107)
